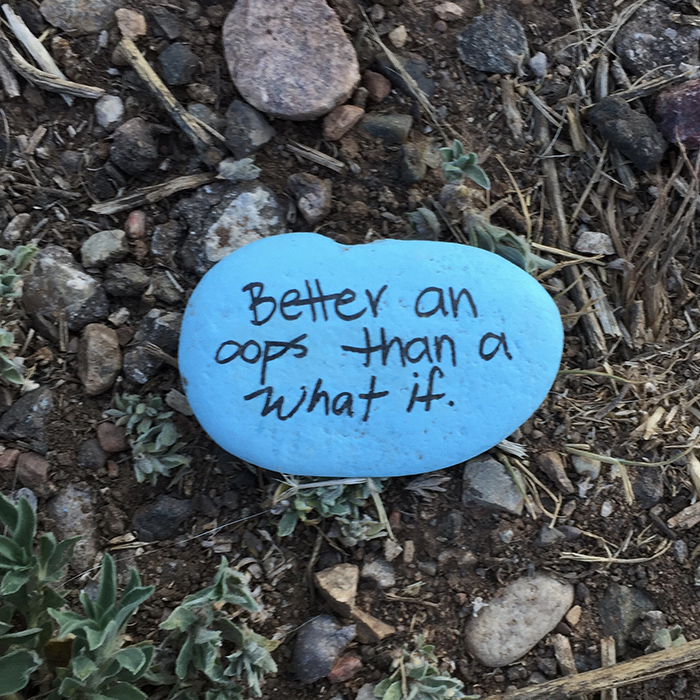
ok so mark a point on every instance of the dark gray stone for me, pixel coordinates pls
(650, 40)
(162, 328)
(650, 624)
(163, 289)
(165, 240)
(134, 149)
(633, 134)
(165, 23)
(393, 129)
(416, 66)
(57, 283)
(73, 514)
(450, 524)
(161, 519)
(178, 64)
(247, 130)
(318, 645)
(548, 536)
(648, 486)
(126, 280)
(493, 43)
(25, 419)
(412, 167)
(31, 15)
(677, 114)
(140, 365)
(620, 610)
(91, 456)
(487, 483)
(204, 114)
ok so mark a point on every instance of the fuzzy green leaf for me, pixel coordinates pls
(83, 667)
(180, 619)
(392, 691)
(26, 528)
(478, 175)
(124, 691)
(15, 669)
(14, 580)
(107, 591)
(8, 512)
(287, 523)
(60, 557)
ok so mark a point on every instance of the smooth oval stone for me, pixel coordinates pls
(304, 356)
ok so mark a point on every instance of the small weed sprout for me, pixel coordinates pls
(12, 264)
(417, 677)
(216, 655)
(458, 165)
(342, 500)
(153, 436)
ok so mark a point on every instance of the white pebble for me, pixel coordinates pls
(538, 65)
(606, 509)
(399, 36)
(109, 111)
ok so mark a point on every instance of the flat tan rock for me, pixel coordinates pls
(338, 585)
(290, 59)
(370, 630)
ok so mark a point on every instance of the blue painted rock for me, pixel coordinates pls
(398, 357)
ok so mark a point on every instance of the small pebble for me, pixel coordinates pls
(398, 37)
(538, 65)
(131, 24)
(109, 111)
(606, 509)
(449, 11)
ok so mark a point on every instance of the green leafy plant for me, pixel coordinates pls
(417, 677)
(508, 245)
(339, 499)
(153, 436)
(12, 263)
(10, 371)
(27, 592)
(216, 656)
(458, 165)
(101, 666)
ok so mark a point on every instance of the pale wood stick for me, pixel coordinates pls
(644, 668)
(153, 193)
(41, 78)
(607, 660)
(34, 46)
(9, 82)
(565, 657)
(192, 128)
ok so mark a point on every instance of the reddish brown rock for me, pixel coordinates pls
(112, 438)
(678, 114)
(8, 459)
(295, 63)
(131, 24)
(340, 121)
(99, 358)
(377, 85)
(345, 668)
(32, 470)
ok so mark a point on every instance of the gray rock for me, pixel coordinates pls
(104, 248)
(548, 536)
(676, 113)
(91, 456)
(56, 283)
(412, 167)
(380, 572)
(178, 64)
(538, 65)
(31, 15)
(245, 212)
(415, 65)
(513, 622)
(163, 288)
(14, 230)
(488, 483)
(647, 485)
(204, 114)
(246, 129)
(650, 40)
(79, 16)
(552, 465)
(493, 43)
(165, 23)
(161, 328)
(313, 196)
(594, 243)
(391, 128)
(165, 240)
(450, 524)
(126, 280)
(27, 494)
(134, 149)
(620, 610)
(585, 466)
(109, 111)
(633, 134)
(296, 63)
(73, 514)
(366, 692)
(99, 358)
(319, 643)
(648, 626)
(680, 551)
(161, 519)
(25, 419)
